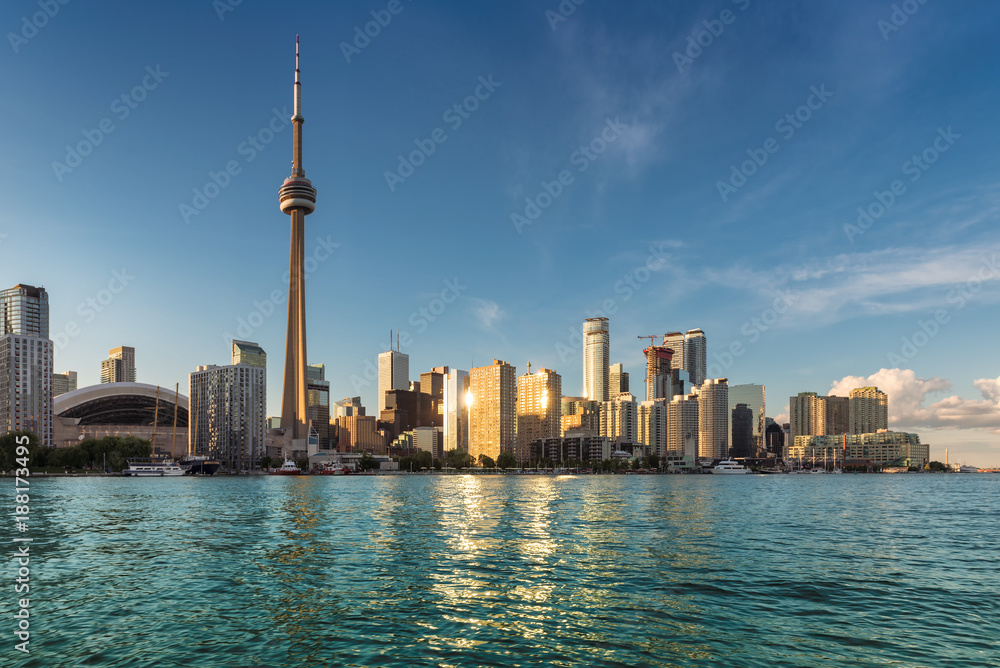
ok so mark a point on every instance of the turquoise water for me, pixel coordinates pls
(890, 570)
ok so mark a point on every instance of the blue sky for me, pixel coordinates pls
(639, 226)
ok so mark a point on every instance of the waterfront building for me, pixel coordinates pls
(539, 408)
(429, 439)
(695, 355)
(119, 367)
(652, 425)
(754, 397)
(26, 362)
(492, 393)
(619, 419)
(713, 418)
(393, 374)
(775, 438)
(250, 354)
(683, 425)
(319, 403)
(579, 413)
(63, 383)
(596, 353)
(869, 410)
(360, 433)
(228, 414)
(617, 380)
(456, 411)
(807, 414)
(837, 414)
(742, 442)
(575, 447)
(884, 448)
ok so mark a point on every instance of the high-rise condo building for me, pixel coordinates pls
(492, 393)
(675, 341)
(807, 415)
(297, 198)
(617, 380)
(319, 403)
(658, 373)
(869, 410)
(120, 366)
(713, 418)
(393, 374)
(539, 408)
(695, 355)
(596, 354)
(682, 425)
(619, 419)
(741, 441)
(579, 413)
(251, 354)
(753, 396)
(652, 423)
(348, 406)
(227, 416)
(26, 362)
(775, 439)
(456, 411)
(838, 415)
(63, 383)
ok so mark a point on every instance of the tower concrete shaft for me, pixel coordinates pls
(297, 197)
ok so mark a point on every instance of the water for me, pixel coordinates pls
(890, 570)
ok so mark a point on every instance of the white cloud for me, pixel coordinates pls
(908, 397)
(488, 313)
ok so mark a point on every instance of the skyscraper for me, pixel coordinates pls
(617, 380)
(652, 425)
(838, 415)
(120, 366)
(297, 198)
(713, 418)
(619, 419)
(753, 396)
(682, 425)
(741, 441)
(251, 354)
(227, 414)
(658, 367)
(63, 383)
(26, 362)
(675, 341)
(807, 415)
(393, 374)
(695, 355)
(319, 403)
(539, 408)
(456, 413)
(869, 410)
(596, 354)
(492, 392)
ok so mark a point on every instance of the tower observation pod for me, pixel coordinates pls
(297, 198)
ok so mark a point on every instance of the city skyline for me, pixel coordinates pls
(782, 273)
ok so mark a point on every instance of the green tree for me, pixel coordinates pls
(486, 462)
(458, 459)
(368, 462)
(936, 466)
(266, 462)
(8, 450)
(507, 460)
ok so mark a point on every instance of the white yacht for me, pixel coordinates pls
(729, 467)
(153, 468)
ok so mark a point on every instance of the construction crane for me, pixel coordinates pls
(651, 338)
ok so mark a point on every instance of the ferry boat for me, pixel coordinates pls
(729, 467)
(332, 468)
(288, 468)
(965, 468)
(199, 465)
(153, 468)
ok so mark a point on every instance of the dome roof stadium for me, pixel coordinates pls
(121, 404)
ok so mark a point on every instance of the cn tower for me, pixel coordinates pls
(297, 198)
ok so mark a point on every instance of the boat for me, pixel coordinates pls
(332, 468)
(288, 468)
(965, 468)
(199, 465)
(153, 468)
(770, 471)
(730, 467)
